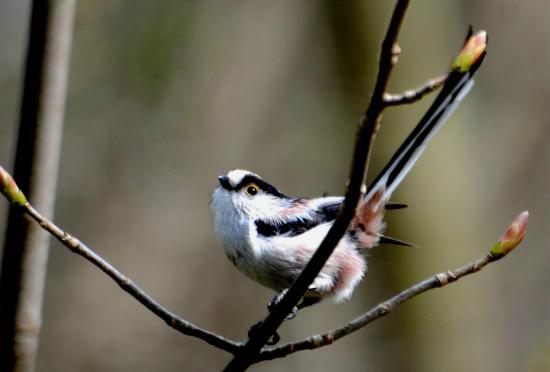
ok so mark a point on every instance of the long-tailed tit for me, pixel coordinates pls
(270, 237)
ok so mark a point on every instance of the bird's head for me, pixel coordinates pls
(247, 195)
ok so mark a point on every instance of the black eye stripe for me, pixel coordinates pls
(264, 186)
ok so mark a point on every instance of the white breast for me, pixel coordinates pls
(236, 234)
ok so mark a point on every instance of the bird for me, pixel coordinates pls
(270, 236)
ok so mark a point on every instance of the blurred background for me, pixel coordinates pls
(164, 96)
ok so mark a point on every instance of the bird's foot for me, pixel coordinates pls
(273, 340)
(276, 299)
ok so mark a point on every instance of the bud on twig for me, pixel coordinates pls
(473, 50)
(10, 190)
(513, 235)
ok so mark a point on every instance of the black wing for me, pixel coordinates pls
(322, 214)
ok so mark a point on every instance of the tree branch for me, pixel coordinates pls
(363, 146)
(509, 240)
(11, 191)
(413, 95)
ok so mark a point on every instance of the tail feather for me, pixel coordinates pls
(455, 89)
(393, 241)
(393, 206)
(368, 223)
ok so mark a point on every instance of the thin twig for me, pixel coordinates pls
(363, 146)
(413, 95)
(508, 241)
(179, 324)
(380, 310)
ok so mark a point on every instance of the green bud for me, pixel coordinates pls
(10, 190)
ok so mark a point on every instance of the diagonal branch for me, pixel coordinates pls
(11, 191)
(363, 146)
(518, 228)
(413, 95)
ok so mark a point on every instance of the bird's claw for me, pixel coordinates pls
(273, 340)
(276, 299)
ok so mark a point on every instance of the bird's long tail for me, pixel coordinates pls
(415, 144)
(370, 212)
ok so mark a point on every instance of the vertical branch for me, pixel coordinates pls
(36, 167)
(362, 150)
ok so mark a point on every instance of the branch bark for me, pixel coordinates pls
(380, 310)
(363, 146)
(36, 165)
(413, 95)
(179, 324)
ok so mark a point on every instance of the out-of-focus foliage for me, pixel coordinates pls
(166, 95)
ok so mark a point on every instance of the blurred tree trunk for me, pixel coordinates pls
(36, 164)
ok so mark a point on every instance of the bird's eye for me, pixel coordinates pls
(252, 189)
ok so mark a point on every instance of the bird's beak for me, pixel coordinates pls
(224, 182)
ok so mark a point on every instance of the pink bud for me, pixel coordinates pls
(472, 51)
(513, 235)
